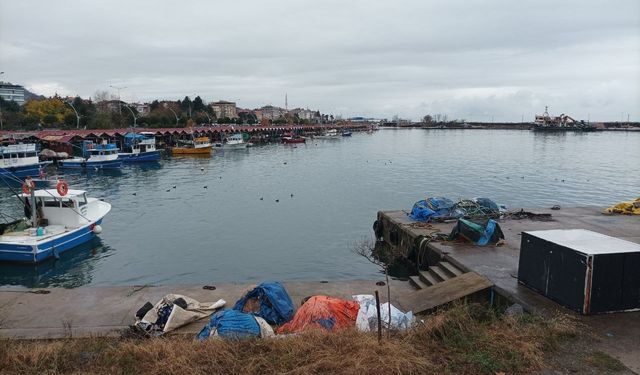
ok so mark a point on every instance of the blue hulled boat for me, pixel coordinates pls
(58, 220)
(139, 147)
(19, 161)
(95, 156)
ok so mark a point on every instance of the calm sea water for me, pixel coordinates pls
(329, 192)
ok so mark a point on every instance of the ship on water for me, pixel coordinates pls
(545, 122)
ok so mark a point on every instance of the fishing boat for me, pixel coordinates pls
(233, 142)
(293, 138)
(95, 156)
(20, 160)
(57, 220)
(346, 133)
(329, 134)
(139, 147)
(196, 146)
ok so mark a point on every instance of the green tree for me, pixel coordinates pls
(198, 104)
(49, 119)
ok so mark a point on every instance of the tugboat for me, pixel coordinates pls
(95, 156)
(563, 122)
(293, 138)
(20, 160)
(57, 220)
(140, 147)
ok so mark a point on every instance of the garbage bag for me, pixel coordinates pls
(322, 312)
(174, 311)
(233, 324)
(431, 207)
(367, 319)
(480, 233)
(269, 301)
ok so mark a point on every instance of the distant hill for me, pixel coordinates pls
(28, 95)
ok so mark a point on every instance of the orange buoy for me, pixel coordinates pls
(28, 185)
(62, 187)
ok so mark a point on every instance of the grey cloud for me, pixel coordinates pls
(469, 59)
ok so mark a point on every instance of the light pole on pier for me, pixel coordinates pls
(76, 112)
(119, 101)
(132, 114)
(172, 111)
(1, 126)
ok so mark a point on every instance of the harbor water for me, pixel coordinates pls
(294, 212)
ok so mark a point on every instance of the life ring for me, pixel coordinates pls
(28, 186)
(62, 187)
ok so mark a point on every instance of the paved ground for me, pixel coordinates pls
(616, 334)
(108, 310)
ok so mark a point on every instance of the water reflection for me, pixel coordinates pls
(74, 268)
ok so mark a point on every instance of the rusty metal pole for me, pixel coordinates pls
(379, 317)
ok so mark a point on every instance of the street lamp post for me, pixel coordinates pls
(76, 112)
(119, 101)
(132, 114)
(206, 114)
(174, 113)
(1, 125)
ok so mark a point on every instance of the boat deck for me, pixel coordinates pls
(28, 237)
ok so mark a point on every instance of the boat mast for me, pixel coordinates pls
(34, 219)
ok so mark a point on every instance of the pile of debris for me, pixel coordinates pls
(267, 311)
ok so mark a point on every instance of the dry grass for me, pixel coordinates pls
(461, 339)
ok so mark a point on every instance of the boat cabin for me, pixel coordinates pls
(54, 209)
(18, 155)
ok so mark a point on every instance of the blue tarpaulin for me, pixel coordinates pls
(431, 207)
(275, 304)
(231, 324)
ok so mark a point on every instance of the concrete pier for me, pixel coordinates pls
(107, 311)
(617, 334)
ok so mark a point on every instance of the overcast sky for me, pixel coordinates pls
(464, 58)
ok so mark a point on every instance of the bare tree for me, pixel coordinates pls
(366, 248)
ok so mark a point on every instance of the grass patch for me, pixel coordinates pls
(463, 339)
(605, 362)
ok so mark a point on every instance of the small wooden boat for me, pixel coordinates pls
(197, 146)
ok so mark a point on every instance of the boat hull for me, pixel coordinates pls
(293, 140)
(47, 249)
(149, 156)
(32, 170)
(110, 164)
(190, 151)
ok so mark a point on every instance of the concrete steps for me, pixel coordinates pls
(438, 273)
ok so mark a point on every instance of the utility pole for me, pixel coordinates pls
(119, 101)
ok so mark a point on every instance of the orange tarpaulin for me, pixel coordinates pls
(322, 312)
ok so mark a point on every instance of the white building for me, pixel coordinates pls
(12, 92)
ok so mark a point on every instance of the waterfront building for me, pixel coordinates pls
(269, 112)
(12, 92)
(142, 108)
(225, 109)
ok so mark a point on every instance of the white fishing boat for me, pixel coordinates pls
(20, 160)
(233, 142)
(95, 156)
(329, 134)
(57, 220)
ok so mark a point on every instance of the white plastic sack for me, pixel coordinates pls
(179, 317)
(367, 319)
